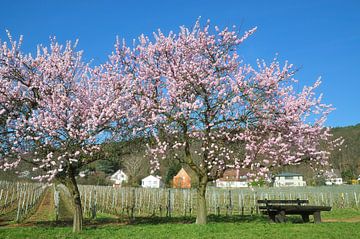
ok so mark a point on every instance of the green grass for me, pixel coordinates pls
(341, 213)
(219, 227)
(211, 230)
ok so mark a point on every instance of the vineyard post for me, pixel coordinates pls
(56, 202)
(133, 204)
(85, 201)
(356, 200)
(6, 198)
(230, 203)
(168, 207)
(13, 192)
(93, 206)
(19, 207)
(27, 201)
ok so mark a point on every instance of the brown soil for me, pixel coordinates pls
(45, 211)
(352, 219)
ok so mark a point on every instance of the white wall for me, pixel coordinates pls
(231, 184)
(289, 181)
(151, 182)
(119, 177)
(334, 181)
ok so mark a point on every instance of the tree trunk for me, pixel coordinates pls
(201, 217)
(78, 215)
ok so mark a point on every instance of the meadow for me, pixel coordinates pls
(341, 223)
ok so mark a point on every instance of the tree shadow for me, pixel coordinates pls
(155, 220)
(189, 220)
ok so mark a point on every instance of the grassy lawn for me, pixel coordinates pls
(249, 227)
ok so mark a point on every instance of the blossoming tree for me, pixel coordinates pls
(192, 89)
(55, 111)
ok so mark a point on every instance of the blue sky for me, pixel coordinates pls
(322, 38)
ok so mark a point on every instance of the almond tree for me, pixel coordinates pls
(55, 111)
(192, 89)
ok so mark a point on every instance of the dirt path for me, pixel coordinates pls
(352, 219)
(65, 207)
(46, 209)
(7, 217)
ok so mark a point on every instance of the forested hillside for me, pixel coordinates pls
(348, 159)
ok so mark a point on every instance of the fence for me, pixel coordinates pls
(19, 198)
(133, 202)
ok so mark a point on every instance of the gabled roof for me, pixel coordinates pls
(233, 174)
(118, 172)
(182, 172)
(151, 177)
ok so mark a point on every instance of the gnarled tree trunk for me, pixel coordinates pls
(71, 184)
(201, 217)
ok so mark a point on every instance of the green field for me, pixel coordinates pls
(337, 224)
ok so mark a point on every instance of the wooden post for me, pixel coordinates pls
(1, 193)
(133, 205)
(56, 202)
(230, 203)
(19, 207)
(94, 206)
(168, 207)
(27, 202)
(84, 203)
(6, 198)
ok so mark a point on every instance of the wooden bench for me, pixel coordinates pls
(278, 209)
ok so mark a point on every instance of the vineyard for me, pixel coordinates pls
(20, 201)
(133, 202)
(17, 200)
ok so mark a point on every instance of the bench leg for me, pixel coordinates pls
(280, 217)
(305, 217)
(272, 217)
(317, 217)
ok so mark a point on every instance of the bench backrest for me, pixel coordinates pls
(296, 201)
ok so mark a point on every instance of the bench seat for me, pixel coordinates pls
(278, 209)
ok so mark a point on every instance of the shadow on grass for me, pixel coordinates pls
(154, 220)
(150, 220)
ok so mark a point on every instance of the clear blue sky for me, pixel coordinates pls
(320, 37)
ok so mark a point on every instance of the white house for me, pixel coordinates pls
(332, 177)
(289, 179)
(119, 177)
(233, 178)
(334, 181)
(151, 182)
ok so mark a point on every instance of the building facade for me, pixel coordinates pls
(151, 182)
(182, 179)
(289, 179)
(233, 178)
(334, 181)
(118, 178)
